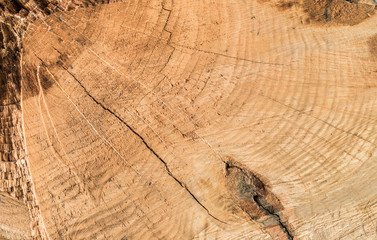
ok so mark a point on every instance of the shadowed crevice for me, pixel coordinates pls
(253, 196)
(282, 225)
(143, 141)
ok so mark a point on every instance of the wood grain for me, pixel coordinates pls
(196, 119)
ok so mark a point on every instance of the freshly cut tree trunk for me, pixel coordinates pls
(188, 119)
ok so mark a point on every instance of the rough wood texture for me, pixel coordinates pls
(188, 119)
(14, 218)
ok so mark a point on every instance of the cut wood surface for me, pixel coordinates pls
(188, 119)
(14, 218)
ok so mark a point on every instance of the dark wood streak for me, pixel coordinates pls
(253, 196)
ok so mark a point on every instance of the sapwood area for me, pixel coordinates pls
(180, 119)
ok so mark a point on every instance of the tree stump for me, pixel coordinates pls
(188, 119)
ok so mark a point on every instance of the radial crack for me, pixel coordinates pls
(183, 185)
(169, 39)
(277, 216)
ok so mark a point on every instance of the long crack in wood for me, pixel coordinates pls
(272, 213)
(183, 185)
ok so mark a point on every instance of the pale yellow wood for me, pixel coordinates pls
(202, 119)
(14, 218)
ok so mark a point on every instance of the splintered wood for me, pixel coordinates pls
(188, 119)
